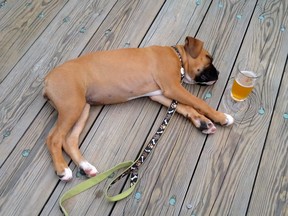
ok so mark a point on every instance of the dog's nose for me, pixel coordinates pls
(218, 72)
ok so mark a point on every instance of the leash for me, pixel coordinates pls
(131, 167)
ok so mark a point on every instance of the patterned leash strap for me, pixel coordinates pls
(131, 167)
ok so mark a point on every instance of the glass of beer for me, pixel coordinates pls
(247, 74)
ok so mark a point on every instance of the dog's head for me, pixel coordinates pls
(200, 68)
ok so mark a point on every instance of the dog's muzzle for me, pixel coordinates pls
(208, 76)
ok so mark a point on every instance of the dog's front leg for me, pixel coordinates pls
(200, 121)
(178, 92)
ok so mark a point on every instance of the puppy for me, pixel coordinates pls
(109, 77)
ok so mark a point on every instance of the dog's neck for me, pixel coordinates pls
(179, 55)
(184, 76)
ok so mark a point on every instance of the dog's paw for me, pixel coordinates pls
(204, 124)
(229, 119)
(88, 169)
(207, 127)
(66, 175)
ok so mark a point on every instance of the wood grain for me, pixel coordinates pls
(224, 177)
(241, 170)
(269, 195)
(18, 34)
(26, 180)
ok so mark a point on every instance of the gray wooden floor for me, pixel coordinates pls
(240, 170)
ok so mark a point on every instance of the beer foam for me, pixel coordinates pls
(249, 73)
(246, 78)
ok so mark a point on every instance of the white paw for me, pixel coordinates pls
(66, 175)
(89, 169)
(229, 119)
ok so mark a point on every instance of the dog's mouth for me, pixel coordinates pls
(200, 83)
(206, 83)
(208, 76)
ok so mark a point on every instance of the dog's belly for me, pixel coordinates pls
(109, 95)
(119, 86)
(95, 97)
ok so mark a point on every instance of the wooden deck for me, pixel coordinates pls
(240, 170)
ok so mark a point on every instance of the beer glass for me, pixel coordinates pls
(247, 74)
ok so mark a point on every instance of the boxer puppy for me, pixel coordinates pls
(109, 77)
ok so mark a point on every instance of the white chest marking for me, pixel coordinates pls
(188, 79)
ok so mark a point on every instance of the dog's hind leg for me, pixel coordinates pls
(72, 141)
(57, 138)
(69, 102)
(204, 124)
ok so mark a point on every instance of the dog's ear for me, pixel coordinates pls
(193, 46)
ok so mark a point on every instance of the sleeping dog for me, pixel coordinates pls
(109, 77)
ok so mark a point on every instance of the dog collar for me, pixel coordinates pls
(182, 71)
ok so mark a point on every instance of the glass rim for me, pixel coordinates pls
(254, 76)
(242, 66)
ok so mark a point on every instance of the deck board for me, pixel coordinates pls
(236, 158)
(271, 182)
(21, 26)
(20, 175)
(241, 170)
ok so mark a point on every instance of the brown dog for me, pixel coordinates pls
(109, 77)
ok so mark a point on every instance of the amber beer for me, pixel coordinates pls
(243, 85)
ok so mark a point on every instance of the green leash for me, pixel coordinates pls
(94, 181)
(131, 167)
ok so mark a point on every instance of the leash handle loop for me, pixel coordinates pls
(83, 186)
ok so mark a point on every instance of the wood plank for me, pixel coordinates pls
(184, 145)
(126, 25)
(175, 22)
(18, 34)
(24, 84)
(270, 191)
(224, 177)
(6, 7)
(22, 184)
